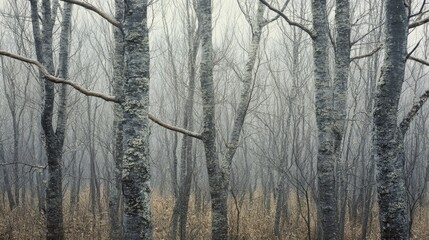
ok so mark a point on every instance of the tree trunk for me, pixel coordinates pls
(330, 107)
(54, 138)
(118, 75)
(280, 201)
(246, 92)
(90, 132)
(392, 199)
(215, 173)
(6, 180)
(188, 123)
(136, 164)
(329, 137)
(73, 190)
(342, 64)
(15, 127)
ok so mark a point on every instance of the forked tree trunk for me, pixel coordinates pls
(54, 138)
(219, 172)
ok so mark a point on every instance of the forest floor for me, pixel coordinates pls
(256, 221)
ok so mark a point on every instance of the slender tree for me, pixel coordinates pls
(54, 138)
(180, 212)
(215, 172)
(118, 75)
(330, 102)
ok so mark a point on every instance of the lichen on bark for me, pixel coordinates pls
(136, 165)
(392, 199)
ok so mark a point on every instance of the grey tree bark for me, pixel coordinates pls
(329, 129)
(219, 172)
(136, 164)
(118, 75)
(54, 138)
(6, 179)
(246, 91)
(342, 64)
(74, 175)
(392, 199)
(330, 103)
(218, 195)
(94, 187)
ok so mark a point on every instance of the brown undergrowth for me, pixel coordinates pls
(256, 221)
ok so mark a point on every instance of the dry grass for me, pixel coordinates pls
(255, 222)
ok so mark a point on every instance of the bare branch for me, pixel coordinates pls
(368, 54)
(424, 62)
(87, 92)
(102, 14)
(414, 49)
(276, 17)
(405, 123)
(246, 14)
(290, 22)
(54, 79)
(174, 128)
(420, 11)
(24, 164)
(366, 34)
(418, 23)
